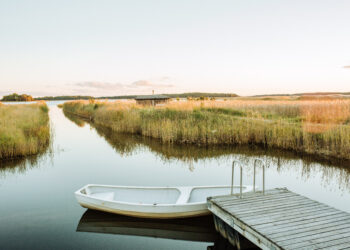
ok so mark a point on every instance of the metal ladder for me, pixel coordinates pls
(234, 163)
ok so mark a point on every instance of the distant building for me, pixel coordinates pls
(152, 99)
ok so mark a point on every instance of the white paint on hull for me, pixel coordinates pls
(151, 202)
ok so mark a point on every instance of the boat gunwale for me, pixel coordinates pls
(247, 188)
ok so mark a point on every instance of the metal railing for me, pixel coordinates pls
(234, 163)
(263, 174)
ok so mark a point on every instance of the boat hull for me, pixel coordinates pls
(145, 211)
(173, 215)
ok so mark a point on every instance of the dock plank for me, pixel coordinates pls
(319, 243)
(281, 219)
(267, 204)
(331, 244)
(310, 226)
(293, 207)
(305, 214)
(263, 203)
(281, 227)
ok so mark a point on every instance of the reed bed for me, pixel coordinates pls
(24, 130)
(319, 127)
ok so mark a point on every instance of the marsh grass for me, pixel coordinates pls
(318, 127)
(24, 130)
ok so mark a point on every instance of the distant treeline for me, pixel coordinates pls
(17, 98)
(64, 97)
(201, 94)
(183, 95)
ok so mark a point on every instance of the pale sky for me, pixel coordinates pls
(101, 47)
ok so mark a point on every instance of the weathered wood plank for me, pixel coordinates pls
(307, 238)
(263, 204)
(233, 199)
(301, 235)
(260, 205)
(317, 243)
(307, 214)
(302, 226)
(328, 244)
(299, 206)
(341, 246)
(252, 194)
(281, 226)
(260, 202)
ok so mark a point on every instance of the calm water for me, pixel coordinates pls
(38, 209)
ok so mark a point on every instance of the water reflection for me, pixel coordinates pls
(283, 161)
(192, 229)
(22, 164)
(79, 122)
(198, 229)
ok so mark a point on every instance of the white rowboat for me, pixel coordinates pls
(152, 202)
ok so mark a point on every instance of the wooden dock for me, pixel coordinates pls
(281, 219)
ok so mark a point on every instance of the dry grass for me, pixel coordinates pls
(24, 130)
(318, 127)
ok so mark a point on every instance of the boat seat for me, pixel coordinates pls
(184, 196)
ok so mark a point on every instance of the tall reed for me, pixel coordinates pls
(314, 127)
(24, 130)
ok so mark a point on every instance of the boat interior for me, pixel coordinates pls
(155, 196)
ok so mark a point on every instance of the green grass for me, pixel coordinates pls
(280, 125)
(24, 130)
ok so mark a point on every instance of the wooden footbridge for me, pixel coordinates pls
(280, 219)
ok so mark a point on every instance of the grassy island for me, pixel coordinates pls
(319, 127)
(24, 130)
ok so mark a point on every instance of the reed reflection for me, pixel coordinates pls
(282, 161)
(23, 164)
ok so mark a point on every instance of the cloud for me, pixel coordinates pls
(99, 88)
(140, 84)
(99, 85)
(165, 78)
(144, 83)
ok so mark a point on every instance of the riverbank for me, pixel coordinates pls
(318, 127)
(24, 130)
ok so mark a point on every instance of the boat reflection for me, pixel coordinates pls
(199, 229)
(196, 229)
